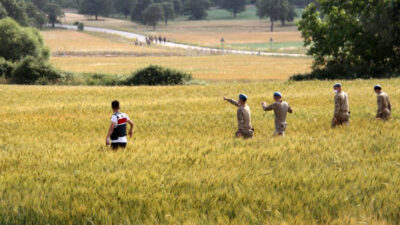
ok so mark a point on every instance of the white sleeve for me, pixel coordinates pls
(114, 119)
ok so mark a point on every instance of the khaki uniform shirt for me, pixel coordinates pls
(280, 110)
(243, 117)
(341, 106)
(384, 107)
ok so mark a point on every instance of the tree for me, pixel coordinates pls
(124, 6)
(16, 11)
(53, 12)
(353, 38)
(3, 12)
(96, 7)
(37, 18)
(177, 7)
(234, 6)
(152, 15)
(196, 9)
(275, 10)
(140, 6)
(169, 12)
(18, 42)
(40, 4)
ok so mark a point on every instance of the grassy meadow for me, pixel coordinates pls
(183, 165)
(211, 68)
(204, 32)
(74, 43)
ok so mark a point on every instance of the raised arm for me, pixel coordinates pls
(233, 102)
(268, 107)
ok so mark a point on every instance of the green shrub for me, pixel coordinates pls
(99, 79)
(157, 75)
(333, 72)
(17, 42)
(81, 26)
(33, 71)
(6, 68)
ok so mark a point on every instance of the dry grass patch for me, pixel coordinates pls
(74, 41)
(229, 67)
(213, 38)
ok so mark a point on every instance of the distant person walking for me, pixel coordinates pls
(245, 128)
(281, 108)
(165, 40)
(341, 114)
(116, 135)
(384, 107)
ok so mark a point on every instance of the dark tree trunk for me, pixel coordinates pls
(283, 22)
(154, 27)
(272, 25)
(234, 14)
(52, 24)
(95, 15)
(166, 20)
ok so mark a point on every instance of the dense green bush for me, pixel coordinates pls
(337, 73)
(352, 39)
(157, 75)
(81, 26)
(17, 42)
(6, 68)
(34, 71)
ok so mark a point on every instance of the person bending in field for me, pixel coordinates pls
(384, 107)
(116, 135)
(243, 116)
(281, 108)
(341, 114)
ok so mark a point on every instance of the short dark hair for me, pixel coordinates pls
(115, 104)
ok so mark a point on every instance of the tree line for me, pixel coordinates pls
(151, 12)
(34, 13)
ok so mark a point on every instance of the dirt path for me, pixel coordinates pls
(142, 38)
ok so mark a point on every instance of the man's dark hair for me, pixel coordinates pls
(115, 104)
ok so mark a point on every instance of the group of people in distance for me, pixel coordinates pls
(281, 108)
(117, 132)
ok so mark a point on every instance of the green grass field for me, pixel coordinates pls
(183, 165)
(249, 14)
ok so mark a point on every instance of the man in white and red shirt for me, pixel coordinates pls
(117, 132)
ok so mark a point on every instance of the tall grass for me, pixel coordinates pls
(225, 67)
(183, 165)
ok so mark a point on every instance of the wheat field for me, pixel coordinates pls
(183, 165)
(225, 67)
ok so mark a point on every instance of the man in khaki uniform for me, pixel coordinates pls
(384, 107)
(245, 129)
(281, 108)
(342, 113)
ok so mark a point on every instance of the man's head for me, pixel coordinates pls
(115, 105)
(277, 96)
(377, 88)
(242, 99)
(337, 87)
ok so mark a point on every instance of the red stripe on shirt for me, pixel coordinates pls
(122, 120)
